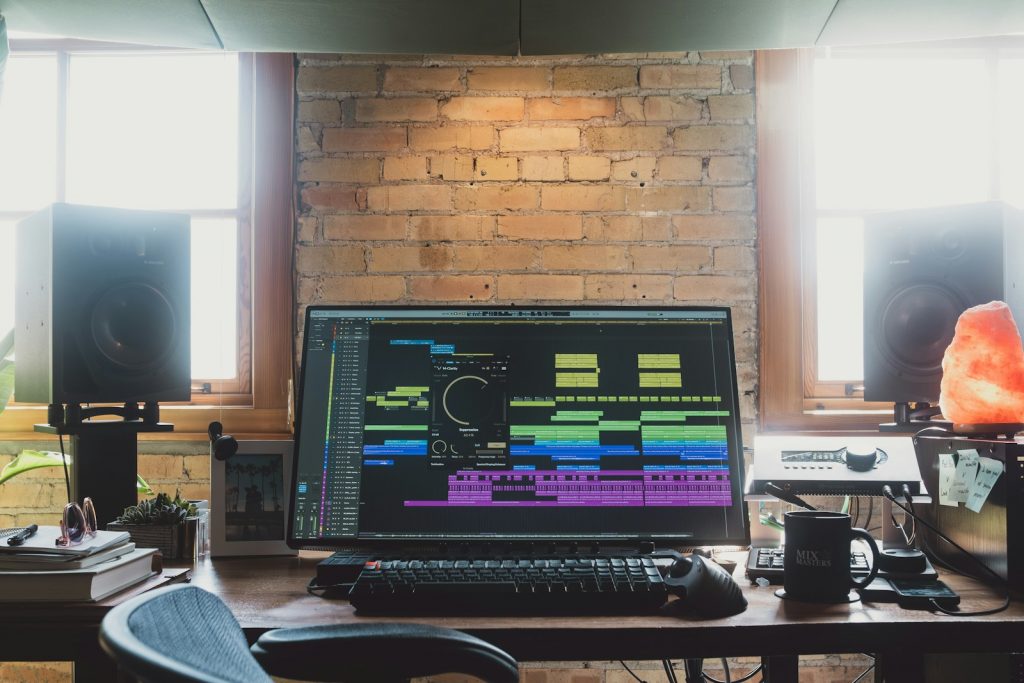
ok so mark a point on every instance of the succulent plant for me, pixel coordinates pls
(159, 510)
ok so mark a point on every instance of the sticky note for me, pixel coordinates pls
(947, 470)
(988, 473)
(966, 471)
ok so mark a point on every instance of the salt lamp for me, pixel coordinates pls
(983, 368)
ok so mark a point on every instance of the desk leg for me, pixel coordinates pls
(905, 667)
(781, 669)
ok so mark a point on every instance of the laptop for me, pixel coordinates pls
(507, 429)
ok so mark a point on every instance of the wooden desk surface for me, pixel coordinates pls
(266, 593)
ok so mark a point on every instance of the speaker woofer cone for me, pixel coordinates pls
(917, 324)
(133, 326)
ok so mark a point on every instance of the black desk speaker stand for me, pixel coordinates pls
(104, 453)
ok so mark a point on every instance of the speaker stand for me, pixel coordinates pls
(909, 420)
(104, 460)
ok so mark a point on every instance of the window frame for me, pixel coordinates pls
(792, 397)
(259, 401)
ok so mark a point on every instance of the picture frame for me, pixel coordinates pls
(249, 499)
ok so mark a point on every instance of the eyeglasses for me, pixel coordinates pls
(77, 523)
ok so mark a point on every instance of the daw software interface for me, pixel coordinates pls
(507, 423)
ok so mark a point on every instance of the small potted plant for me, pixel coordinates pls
(160, 523)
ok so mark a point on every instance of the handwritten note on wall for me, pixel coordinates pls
(966, 471)
(988, 472)
(947, 470)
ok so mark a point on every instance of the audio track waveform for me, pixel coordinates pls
(552, 401)
(652, 487)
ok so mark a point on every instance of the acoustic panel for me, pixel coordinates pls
(876, 22)
(602, 26)
(471, 27)
(170, 23)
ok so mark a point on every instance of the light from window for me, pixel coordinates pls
(1011, 130)
(901, 133)
(153, 131)
(28, 133)
(840, 243)
(214, 274)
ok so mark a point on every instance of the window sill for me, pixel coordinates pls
(190, 422)
(835, 421)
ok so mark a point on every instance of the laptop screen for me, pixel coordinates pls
(575, 424)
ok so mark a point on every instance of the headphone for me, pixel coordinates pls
(222, 446)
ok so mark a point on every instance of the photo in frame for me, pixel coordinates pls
(249, 500)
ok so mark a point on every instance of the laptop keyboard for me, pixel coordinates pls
(561, 585)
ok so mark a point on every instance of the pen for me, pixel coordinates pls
(22, 536)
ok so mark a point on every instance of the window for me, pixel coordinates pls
(851, 131)
(170, 130)
(142, 130)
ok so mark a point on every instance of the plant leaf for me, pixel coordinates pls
(141, 486)
(31, 460)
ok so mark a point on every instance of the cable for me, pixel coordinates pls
(909, 499)
(864, 673)
(887, 492)
(742, 679)
(725, 670)
(64, 462)
(907, 538)
(312, 587)
(626, 667)
(667, 664)
(871, 509)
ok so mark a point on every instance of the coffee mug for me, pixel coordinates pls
(816, 564)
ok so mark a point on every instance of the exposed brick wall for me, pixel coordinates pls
(38, 496)
(615, 179)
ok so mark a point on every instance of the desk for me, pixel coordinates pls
(268, 593)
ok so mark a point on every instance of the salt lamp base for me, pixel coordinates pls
(1008, 429)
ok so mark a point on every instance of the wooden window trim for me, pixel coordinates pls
(272, 316)
(786, 305)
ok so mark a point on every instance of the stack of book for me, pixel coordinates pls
(41, 570)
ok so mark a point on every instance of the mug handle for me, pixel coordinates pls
(874, 558)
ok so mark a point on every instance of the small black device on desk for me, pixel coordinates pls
(924, 595)
(894, 563)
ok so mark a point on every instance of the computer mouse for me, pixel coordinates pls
(705, 587)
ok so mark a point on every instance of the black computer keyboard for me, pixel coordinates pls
(594, 585)
(767, 563)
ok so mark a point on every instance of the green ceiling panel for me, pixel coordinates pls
(172, 23)
(488, 27)
(596, 26)
(868, 22)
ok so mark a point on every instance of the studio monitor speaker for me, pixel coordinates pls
(102, 306)
(922, 269)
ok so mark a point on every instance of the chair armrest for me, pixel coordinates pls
(380, 652)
